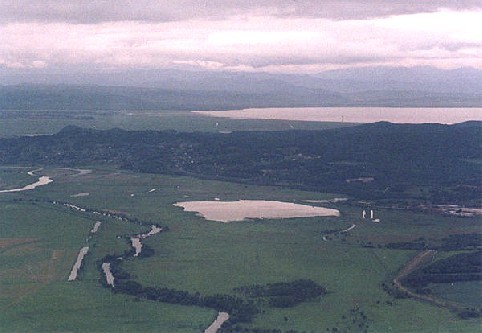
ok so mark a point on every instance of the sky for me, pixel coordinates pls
(282, 36)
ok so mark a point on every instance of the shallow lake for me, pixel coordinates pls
(230, 211)
(355, 114)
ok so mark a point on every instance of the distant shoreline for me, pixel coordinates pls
(403, 115)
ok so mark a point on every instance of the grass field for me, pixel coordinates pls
(460, 292)
(15, 178)
(38, 245)
(18, 123)
(203, 256)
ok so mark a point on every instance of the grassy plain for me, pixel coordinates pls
(14, 177)
(208, 257)
(38, 245)
(18, 123)
(460, 292)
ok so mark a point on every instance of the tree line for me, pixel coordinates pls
(397, 157)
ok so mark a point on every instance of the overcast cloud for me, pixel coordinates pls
(275, 36)
(88, 11)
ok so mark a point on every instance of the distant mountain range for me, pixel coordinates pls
(204, 90)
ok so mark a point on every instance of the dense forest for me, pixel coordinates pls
(284, 294)
(456, 268)
(376, 161)
(456, 242)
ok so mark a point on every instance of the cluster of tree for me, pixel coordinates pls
(456, 268)
(115, 267)
(241, 329)
(393, 291)
(461, 242)
(454, 242)
(106, 213)
(469, 313)
(396, 156)
(285, 294)
(456, 195)
(355, 321)
(415, 245)
(239, 310)
(147, 251)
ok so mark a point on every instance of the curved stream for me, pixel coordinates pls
(136, 243)
(43, 180)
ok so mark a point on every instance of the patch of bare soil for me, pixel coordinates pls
(6, 242)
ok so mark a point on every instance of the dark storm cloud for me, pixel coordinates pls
(88, 11)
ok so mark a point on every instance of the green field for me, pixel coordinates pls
(38, 245)
(14, 177)
(40, 242)
(461, 292)
(18, 123)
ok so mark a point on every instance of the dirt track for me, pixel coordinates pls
(421, 258)
(414, 263)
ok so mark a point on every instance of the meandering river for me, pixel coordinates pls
(44, 180)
